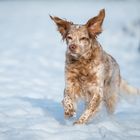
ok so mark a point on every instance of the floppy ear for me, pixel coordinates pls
(94, 25)
(63, 25)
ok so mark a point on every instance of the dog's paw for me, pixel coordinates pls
(78, 122)
(69, 114)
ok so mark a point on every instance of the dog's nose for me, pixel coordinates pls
(72, 47)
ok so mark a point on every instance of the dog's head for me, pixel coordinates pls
(79, 38)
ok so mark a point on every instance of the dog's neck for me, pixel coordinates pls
(89, 55)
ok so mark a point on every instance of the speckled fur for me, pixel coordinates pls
(90, 73)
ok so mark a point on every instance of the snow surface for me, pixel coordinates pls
(32, 70)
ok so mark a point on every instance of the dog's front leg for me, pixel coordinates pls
(69, 104)
(92, 108)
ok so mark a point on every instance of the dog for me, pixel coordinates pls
(91, 74)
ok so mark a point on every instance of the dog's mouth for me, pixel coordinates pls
(73, 54)
(73, 50)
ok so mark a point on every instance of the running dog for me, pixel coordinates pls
(90, 73)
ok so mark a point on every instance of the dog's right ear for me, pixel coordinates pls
(63, 25)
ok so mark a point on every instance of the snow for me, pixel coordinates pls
(32, 70)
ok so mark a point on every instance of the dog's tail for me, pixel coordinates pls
(125, 87)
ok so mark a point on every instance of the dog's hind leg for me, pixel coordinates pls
(111, 102)
(111, 94)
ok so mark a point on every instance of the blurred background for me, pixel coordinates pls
(32, 56)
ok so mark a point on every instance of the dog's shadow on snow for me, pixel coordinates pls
(50, 107)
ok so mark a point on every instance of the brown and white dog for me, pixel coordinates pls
(90, 73)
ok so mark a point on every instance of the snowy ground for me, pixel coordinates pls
(32, 70)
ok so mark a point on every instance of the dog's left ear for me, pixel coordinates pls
(94, 25)
(63, 25)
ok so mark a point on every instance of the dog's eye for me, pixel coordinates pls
(84, 39)
(69, 38)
